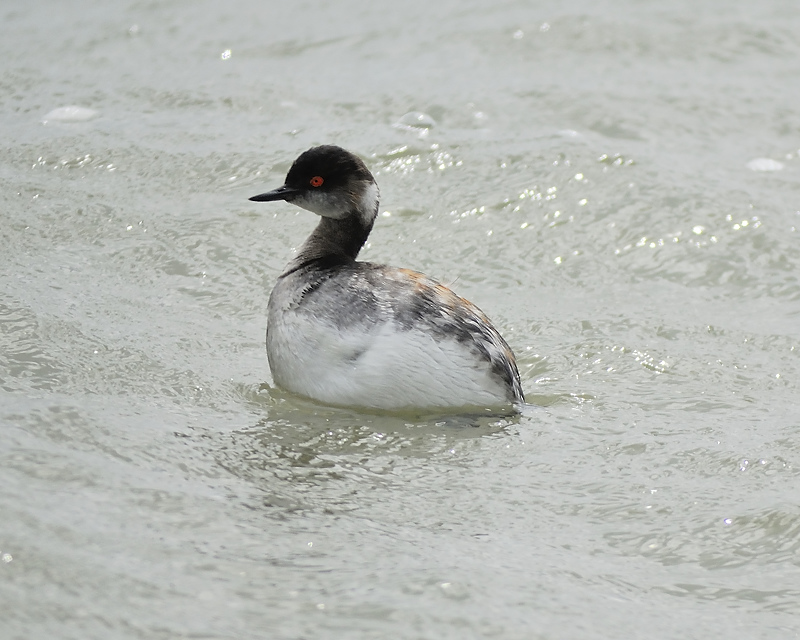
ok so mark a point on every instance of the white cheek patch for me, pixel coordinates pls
(340, 205)
(324, 204)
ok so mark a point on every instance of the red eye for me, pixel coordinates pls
(316, 181)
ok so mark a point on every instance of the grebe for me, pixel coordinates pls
(359, 334)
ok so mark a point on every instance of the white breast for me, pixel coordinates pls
(384, 367)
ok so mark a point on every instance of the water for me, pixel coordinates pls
(615, 184)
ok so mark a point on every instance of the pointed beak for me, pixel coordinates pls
(281, 193)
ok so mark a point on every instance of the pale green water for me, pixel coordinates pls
(585, 182)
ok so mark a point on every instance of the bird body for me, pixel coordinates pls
(354, 333)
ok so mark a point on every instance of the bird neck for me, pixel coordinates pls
(337, 240)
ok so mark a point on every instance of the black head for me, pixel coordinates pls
(327, 180)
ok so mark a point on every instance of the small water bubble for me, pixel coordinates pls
(579, 176)
(225, 55)
(545, 27)
(415, 120)
(6, 557)
(727, 521)
(453, 590)
(518, 34)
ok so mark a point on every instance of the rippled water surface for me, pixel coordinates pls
(616, 184)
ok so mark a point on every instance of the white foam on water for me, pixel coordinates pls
(764, 164)
(71, 113)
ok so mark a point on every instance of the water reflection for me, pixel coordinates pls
(305, 455)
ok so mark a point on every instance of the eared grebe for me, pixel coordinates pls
(360, 334)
